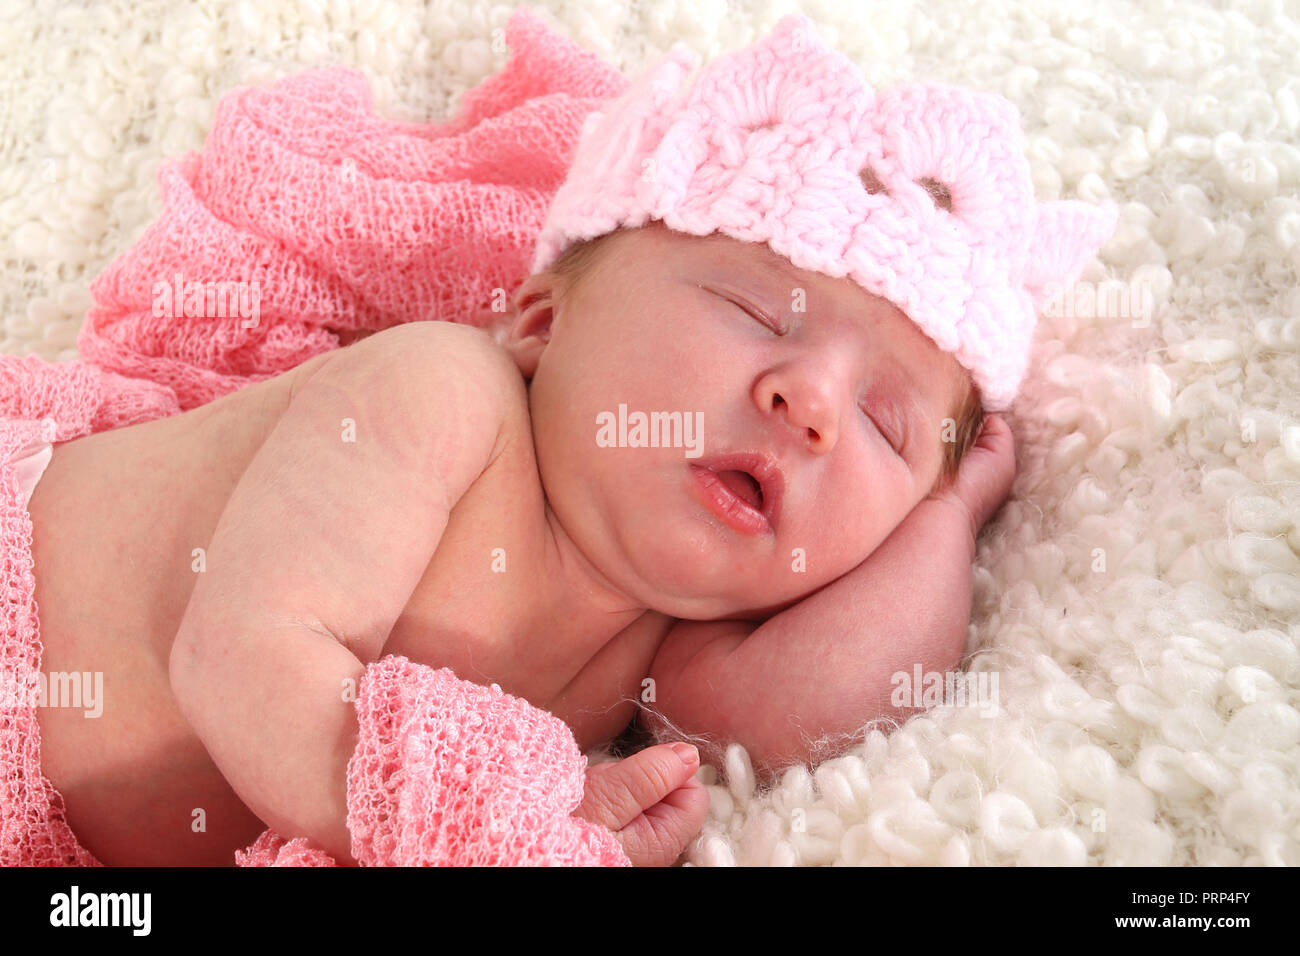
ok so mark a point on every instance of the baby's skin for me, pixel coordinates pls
(427, 491)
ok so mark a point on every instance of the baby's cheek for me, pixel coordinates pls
(895, 513)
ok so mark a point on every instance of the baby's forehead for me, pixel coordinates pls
(739, 258)
(732, 257)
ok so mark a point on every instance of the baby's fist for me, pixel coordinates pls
(984, 479)
(650, 801)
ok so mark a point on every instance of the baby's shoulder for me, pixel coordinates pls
(424, 369)
(437, 351)
(437, 385)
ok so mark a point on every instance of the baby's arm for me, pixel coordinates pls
(317, 553)
(825, 665)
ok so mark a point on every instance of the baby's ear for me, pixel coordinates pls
(1067, 234)
(527, 327)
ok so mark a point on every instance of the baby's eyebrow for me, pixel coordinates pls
(784, 267)
(777, 276)
(770, 268)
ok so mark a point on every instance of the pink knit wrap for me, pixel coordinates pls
(344, 220)
(447, 772)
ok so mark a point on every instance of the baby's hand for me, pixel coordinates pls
(984, 479)
(651, 802)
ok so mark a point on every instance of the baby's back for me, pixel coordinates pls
(121, 523)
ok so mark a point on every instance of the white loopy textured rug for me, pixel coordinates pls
(1139, 596)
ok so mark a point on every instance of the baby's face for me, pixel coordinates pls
(843, 395)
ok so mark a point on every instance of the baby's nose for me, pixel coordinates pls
(812, 411)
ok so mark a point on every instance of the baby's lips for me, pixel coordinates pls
(764, 468)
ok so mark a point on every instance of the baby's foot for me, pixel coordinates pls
(650, 801)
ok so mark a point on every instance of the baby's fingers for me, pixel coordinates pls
(995, 436)
(994, 461)
(988, 472)
(662, 832)
(617, 793)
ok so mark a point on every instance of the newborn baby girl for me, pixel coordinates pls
(439, 492)
(323, 554)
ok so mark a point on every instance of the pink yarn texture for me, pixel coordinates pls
(920, 194)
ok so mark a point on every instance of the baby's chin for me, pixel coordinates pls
(690, 569)
(687, 569)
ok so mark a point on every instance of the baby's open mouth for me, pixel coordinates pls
(744, 486)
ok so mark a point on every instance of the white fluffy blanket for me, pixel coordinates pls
(1138, 597)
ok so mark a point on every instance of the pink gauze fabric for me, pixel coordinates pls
(346, 222)
(339, 221)
(451, 772)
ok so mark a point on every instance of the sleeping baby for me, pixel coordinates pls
(715, 472)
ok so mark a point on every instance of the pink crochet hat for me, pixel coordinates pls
(920, 194)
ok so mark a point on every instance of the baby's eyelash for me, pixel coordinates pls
(755, 314)
(889, 431)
